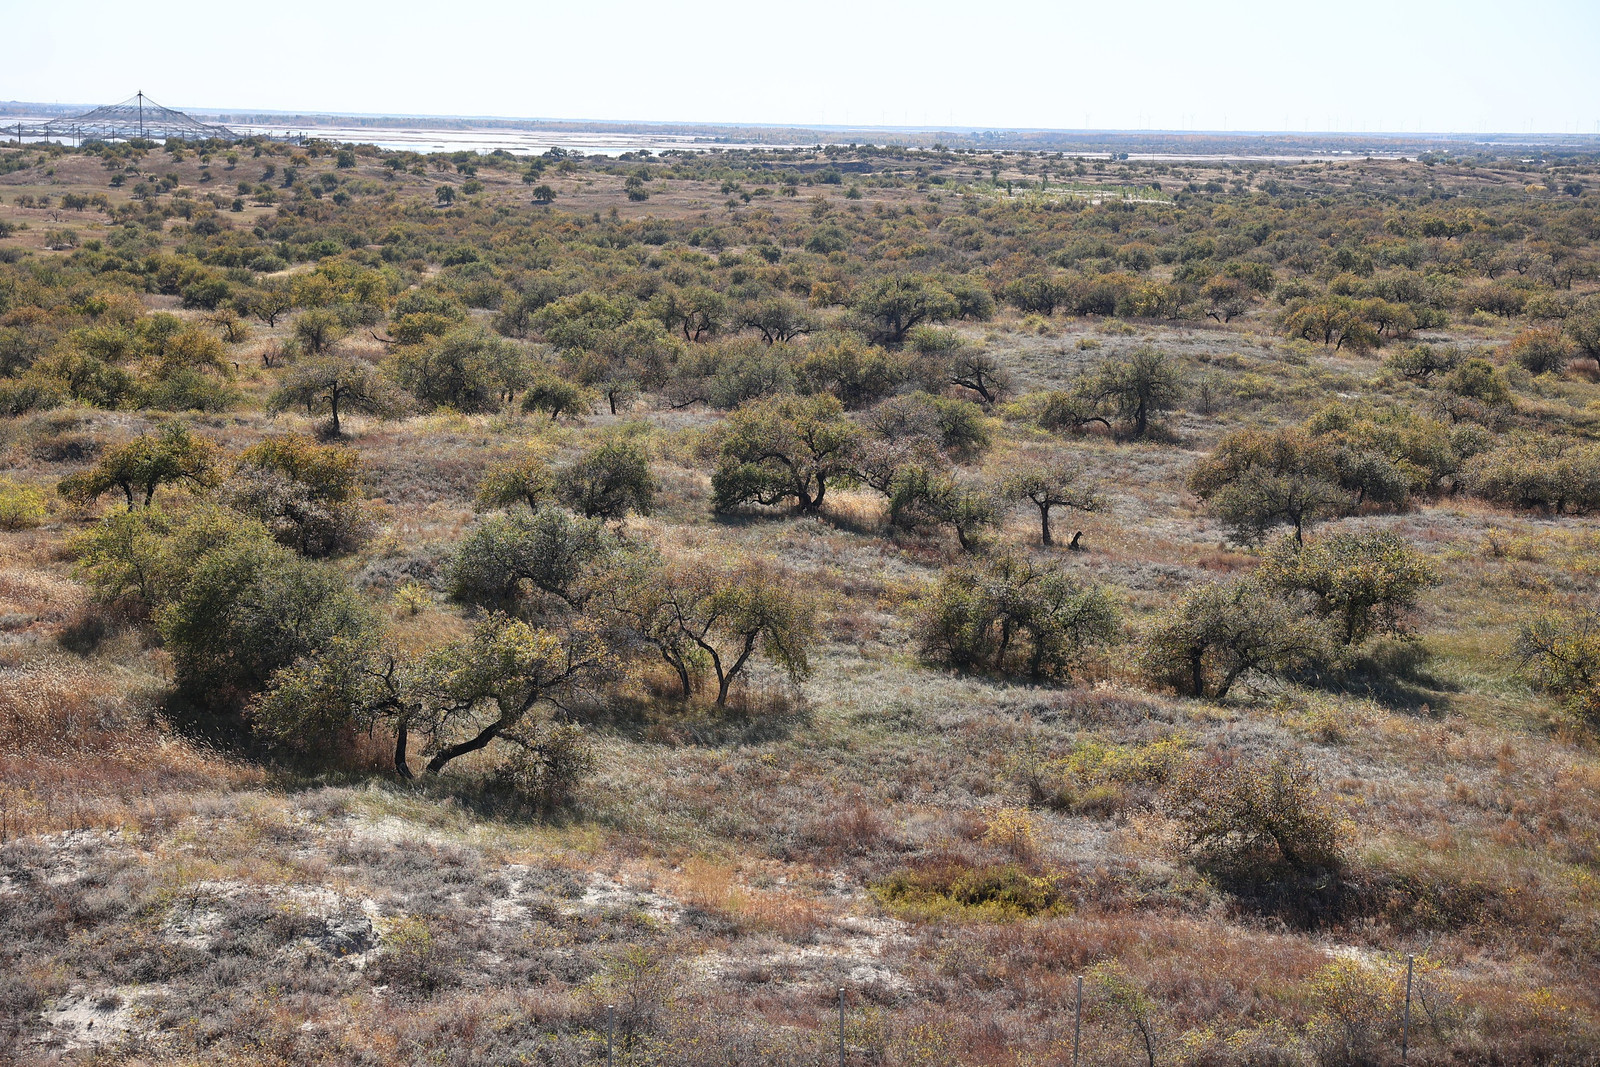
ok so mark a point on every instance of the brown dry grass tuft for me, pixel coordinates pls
(83, 748)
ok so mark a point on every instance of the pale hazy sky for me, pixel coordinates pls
(1466, 65)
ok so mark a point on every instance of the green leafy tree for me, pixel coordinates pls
(528, 480)
(696, 311)
(308, 495)
(468, 369)
(974, 369)
(1583, 327)
(776, 318)
(1036, 293)
(897, 303)
(551, 394)
(1541, 350)
(783, 448)
(248, 609)
(1420, 363)
(1136, 388)
(1364, 583)
(174, 456)
(356, 682)
(957, 428)
(922, 496)
(531, 563)
(609, 481)
(337, 386)
(318, 330)
(1559, 651)
(268, 303)
(493, 684)
(138, 561)
(1219, 633)
(1056, 483)
(858, 374)
(1255, 480)
(700, 615)
(1012, 616)
(1556, 474)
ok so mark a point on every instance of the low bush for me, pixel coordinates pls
(957, 889)
(1251, 814)
(21, 506)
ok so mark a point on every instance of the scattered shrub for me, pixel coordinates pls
(21, 506)
(1012, 616)
(1250, 814)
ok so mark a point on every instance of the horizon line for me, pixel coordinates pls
(821, 127)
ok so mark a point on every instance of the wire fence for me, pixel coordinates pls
(833, 1042)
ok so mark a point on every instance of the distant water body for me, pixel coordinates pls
(517, 142)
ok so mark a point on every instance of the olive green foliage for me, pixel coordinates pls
(1559, 475)
(492, 684)
(1559, 651)
(783, 449)
(1251, 813)
(528, 480)
(1474, 391)
(1013, 616)
(1388, 455)
(421, 314)
(918, 429)
(953, 890)
(1134, 389)
(609, 481)
(1542, 350)
(246, 608)
(725, 374)
(957, 428)
(337, 386)
(1055, 483)
(856, 373)
(467, 369)
(318, 330)
(1220, 633)
(173, 456)
(897, 303)
(532, 563)
(922, 497)
(702, 616)
(1420, 363)
(1364, 583)
(551, 394)
(1255, 480)
(1342, 321)
(1583, 327)
(137, 561)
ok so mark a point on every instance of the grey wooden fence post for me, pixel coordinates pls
(841, 1026)
(1405, 1025)
(611, 1031)
(1077, 1022)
